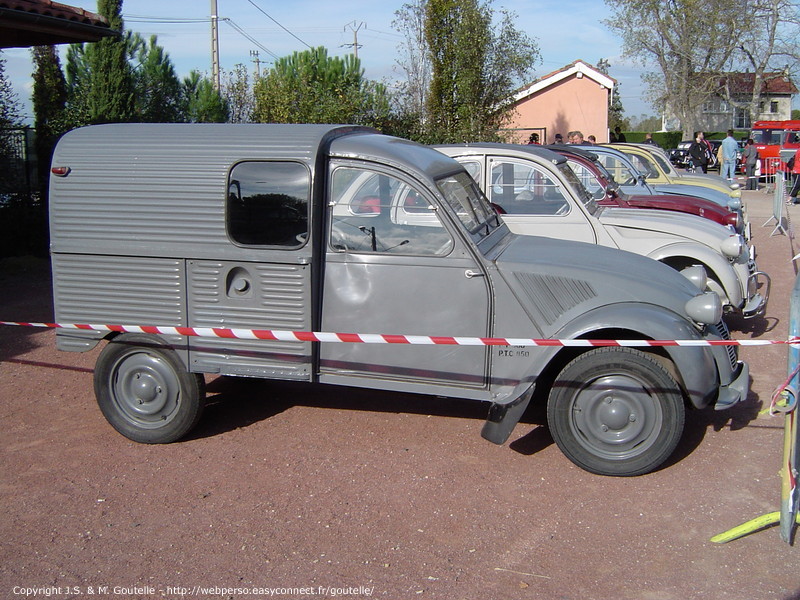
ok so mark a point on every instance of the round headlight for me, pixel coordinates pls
(697, 275)
(736, 186)
(734, 203)
(734, 220)
(733, 246)
(705, 308)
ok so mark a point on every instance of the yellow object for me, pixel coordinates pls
(752, 526)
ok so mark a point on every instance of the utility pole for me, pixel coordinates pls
(257, 61)
(214, 45)
(354, 28)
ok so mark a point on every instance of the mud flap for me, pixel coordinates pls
(504, 417)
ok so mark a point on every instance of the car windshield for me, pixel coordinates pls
(663, 162)
(584, 195)
(588, 179)
(470, 205)
(644, 165)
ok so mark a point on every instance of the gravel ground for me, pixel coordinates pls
(293, 491)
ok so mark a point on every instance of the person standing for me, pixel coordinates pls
(648, 139)
(699, 152)
(750, 158)
(793, 173)
(576, 138)
(620, 137)
(729, 151)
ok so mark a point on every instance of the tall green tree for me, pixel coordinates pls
(312, 87)
(110, 95)
(616, 111)
(477, 60)
(157, 88)
(49, 104)
(238, 94)
(201, 102)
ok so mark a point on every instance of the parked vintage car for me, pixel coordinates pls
(607, 192)
(540, 195)
(654, 163)
(267, 233)
(634, 176)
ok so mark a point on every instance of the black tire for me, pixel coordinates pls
(616, 411)
(144, 390)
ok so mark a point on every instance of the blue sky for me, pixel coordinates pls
(565, 31)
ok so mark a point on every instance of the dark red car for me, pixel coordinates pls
(606, 191)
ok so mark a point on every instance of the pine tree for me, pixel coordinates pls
(110, 95)
(49, 102)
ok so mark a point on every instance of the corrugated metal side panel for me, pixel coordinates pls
(279, 300)
(159, 189)
(110, 290)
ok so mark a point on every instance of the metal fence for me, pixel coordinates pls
(23, 211)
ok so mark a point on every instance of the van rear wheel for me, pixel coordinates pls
(616, 411)
(144, 390)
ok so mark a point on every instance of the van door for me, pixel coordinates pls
(268, 286)
(393, 266)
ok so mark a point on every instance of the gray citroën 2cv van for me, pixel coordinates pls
(341, 229)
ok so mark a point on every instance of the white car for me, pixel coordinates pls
(539, 194)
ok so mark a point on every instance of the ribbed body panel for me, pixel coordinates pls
(277, 297)
(159, 190)
(552, 295)
(118, 290)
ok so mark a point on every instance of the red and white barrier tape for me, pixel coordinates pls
(380, 338)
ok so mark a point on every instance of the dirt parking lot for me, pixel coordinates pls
(288, 491)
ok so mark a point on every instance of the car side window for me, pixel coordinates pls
(373, 212)
(267, 204)
(587, 178)
(523, 189)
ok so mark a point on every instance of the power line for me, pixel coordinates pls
(172, 20)
(249, 37)
(261, 10)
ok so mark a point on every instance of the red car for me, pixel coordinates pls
(601, 184)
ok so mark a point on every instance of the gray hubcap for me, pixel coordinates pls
(615, 416)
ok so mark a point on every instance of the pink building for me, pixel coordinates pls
(575, 97)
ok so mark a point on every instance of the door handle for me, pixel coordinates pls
(469, 274)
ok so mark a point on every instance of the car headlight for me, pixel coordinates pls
(736, 186)
(733, 246)
(734, 220)
(697, 275)
(734, 203)
(705, 308)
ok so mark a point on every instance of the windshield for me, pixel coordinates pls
(644, 165)
(663, 162)
(767, 136)
(588, 179)
(470, 205)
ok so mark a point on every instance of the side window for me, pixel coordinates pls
(527, 190)
(373, 212)
(587, 178)
(267, 204)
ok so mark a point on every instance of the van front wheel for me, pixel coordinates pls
(616, 411)
(145, 392)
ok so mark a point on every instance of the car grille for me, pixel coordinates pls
(721, 330)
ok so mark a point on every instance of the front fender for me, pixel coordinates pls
(718, 267)
(699, 369)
